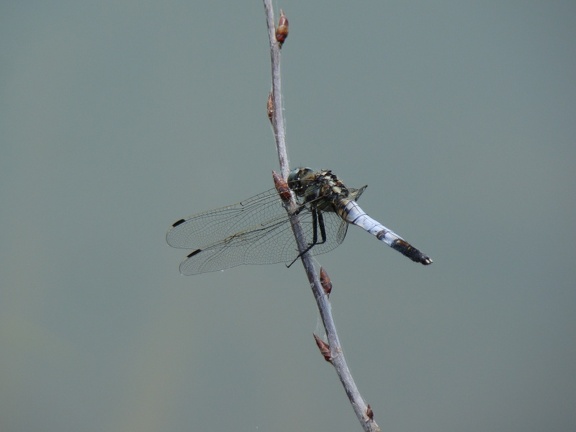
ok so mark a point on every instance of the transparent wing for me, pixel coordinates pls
(269, 243)
(254, 231)
(203, 228)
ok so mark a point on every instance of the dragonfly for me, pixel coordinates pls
(258, 230)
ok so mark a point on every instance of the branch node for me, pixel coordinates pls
(324, 348)
(282, 29)
(325, 281)
(369, 412)
(270, 107)
(282, 187)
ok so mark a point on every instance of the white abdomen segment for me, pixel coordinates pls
(352, 213)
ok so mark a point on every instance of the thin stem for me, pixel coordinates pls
(277, 112)
(336, 353)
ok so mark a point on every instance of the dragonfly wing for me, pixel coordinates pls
(267, 243)
(203, 228)
(342, 230)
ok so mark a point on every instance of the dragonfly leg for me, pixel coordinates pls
(322, 227)
(317, 221)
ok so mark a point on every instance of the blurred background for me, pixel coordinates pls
(119, 117)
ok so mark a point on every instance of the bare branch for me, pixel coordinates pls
(332, 351)
(277, 110)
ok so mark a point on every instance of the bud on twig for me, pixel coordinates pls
(281, 187)
(324, 348)
(325, 281)
(369, 412)
(282, 29)
(270, 107)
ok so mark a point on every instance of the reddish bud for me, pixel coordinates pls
(281, 187)
(325, 281)
(282, 29)
(369, 412)
(324, 348)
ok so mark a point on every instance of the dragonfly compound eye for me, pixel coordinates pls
(297, 178)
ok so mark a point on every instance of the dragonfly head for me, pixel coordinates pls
(298, 178)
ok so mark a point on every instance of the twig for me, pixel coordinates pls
(276, 94)
(335, 354)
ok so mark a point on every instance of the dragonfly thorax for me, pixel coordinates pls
(314, 184)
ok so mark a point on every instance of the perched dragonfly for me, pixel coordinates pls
(258, 230)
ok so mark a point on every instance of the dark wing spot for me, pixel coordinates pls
(175, 224)
(196, 252)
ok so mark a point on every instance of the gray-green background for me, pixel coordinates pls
(119, 117)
